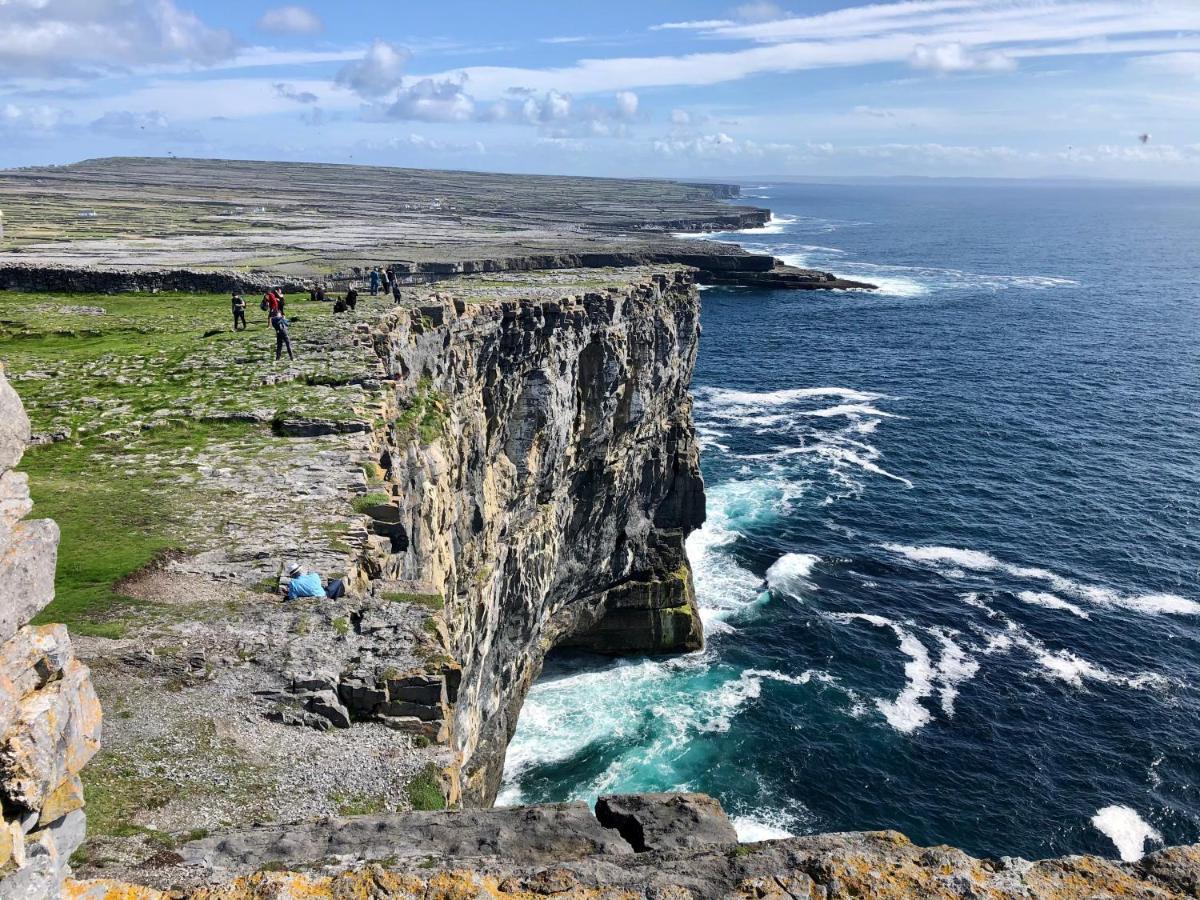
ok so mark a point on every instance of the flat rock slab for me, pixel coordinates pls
(536, 835)
(667, 821)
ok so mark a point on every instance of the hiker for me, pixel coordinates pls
(321, 293)
(302, 583)
(282, 339)
(351, 298)
(279, 297)
(375, 281)
(396, 291)
(239, 312)
(339, 306)
(387, 281)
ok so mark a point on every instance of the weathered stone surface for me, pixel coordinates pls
(64, 799)
(27, 563)
(538, 835)
(57, 730)
(667, 821)
(463, 857)
(14, 425)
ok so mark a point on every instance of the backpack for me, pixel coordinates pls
(263, 306)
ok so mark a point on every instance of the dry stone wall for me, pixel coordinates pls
(49, 713)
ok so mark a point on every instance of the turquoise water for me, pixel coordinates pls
(950, 569)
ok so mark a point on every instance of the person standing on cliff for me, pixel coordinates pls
(239, 312)
(375, 281)
(282, 338)
(351, 298)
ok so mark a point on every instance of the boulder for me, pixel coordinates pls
(663, 822)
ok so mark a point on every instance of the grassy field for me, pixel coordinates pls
(142, 384)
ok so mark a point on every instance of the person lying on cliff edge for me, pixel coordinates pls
(302, 583)
(239, 312)
(282, 338)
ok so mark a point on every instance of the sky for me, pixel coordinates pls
(989, 88)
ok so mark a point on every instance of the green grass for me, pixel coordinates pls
(358, 804)
(425, 791)
(111, 526)
(366, 501)
(341, 626)
(429, 601)
(425, 416)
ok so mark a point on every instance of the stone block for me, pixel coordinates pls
(27, 564)
(32, 657)
(14, 426)
(326, 705)
(15, 502)
(57, 730)
(64, 799)
(666, 822)
(404, 709)
(427, 690)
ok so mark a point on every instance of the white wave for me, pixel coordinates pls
(775, 225)
(954, 667)
(905, 713)
(790, 572)
(1128, 831)
(779, 398)
(967, 559)
(891, 285)
(759, 827)
(850, 409)
(980, 561)
(1050, 601)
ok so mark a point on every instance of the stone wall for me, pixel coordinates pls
(49, 714)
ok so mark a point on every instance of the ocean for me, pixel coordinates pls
(951, 569)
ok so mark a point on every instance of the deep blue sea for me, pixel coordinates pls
(951, 570)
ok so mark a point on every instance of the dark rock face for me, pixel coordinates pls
(545, 476)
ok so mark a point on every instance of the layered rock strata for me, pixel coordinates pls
(542, 476)
(49, 714)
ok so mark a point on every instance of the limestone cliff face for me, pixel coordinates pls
(49, 714)
(544, 476)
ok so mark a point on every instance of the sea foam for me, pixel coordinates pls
(1128, 831)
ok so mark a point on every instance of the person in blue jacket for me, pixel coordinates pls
(374, 281)
(308, 584)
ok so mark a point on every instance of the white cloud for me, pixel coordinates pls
(681, 117)
(428, 100)
(290, 20)
(379, 71)
(990, 32)
(70, 37)
(627, 104)
(23, 119)
(944, 58)
(291, 92)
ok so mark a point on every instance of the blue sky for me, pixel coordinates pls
(1088, 88)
